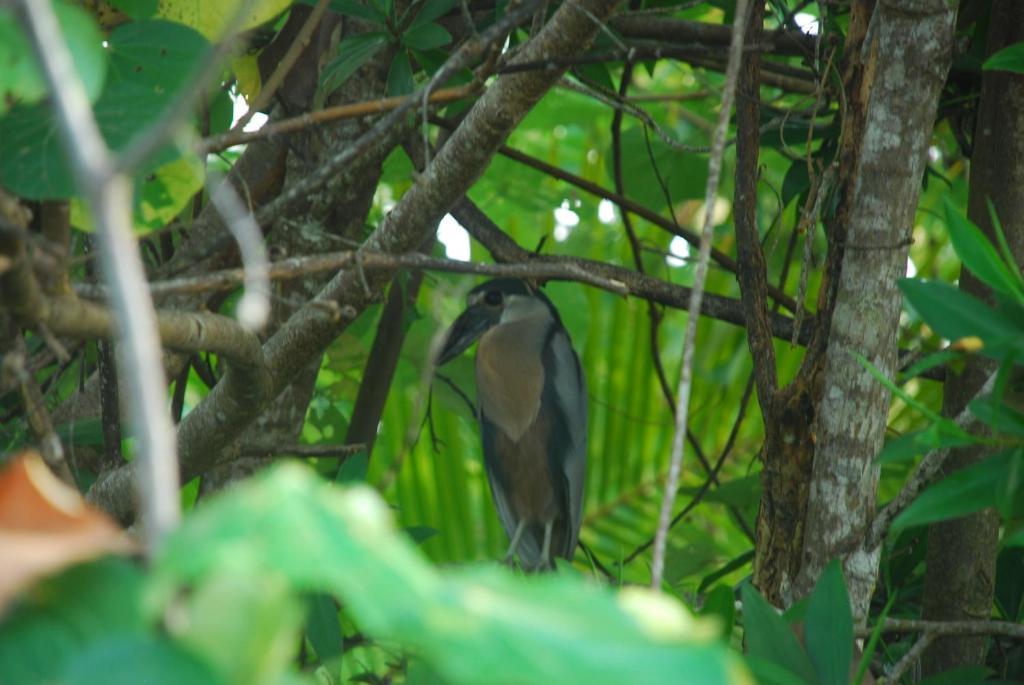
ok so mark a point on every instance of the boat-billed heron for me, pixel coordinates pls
(532, 402)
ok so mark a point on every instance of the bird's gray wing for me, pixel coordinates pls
(566, 396)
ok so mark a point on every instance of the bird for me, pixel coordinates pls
(532, 410)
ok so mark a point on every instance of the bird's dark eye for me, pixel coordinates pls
(493, 298)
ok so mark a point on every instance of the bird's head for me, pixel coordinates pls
(489, 304)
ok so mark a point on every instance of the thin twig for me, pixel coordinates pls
(943, 628)
(109, 197)
(697, 294)
(254, 307)
(908, 660)
(291, 56)
(347, 111)
(297, 267)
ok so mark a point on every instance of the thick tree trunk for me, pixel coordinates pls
(909, 49)
(960, 575)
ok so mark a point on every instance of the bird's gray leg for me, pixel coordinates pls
(514, 545)
(545, 552)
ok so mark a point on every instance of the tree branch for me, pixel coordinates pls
(697, 294)
(108, 195)
(212, 425)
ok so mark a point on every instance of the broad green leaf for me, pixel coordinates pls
(684, 175)
(995, 482)
(400, 75)
(954, 314)
(796, 181)
(361, 10)
(426, 37)
(1010, 58)
(828, 631)
(353, 469)
(211, 18)
(721, 603)
(769, 637)
(159, 198)
(21, 80)
(353, 53)
(1009, 590)
(979, 255)
(470, 624)
(150, 61)
(66, 614)
(323, 628)
(134, 660)
(420, 534)
(243, 622)
(963, 675)
(433, 9)
(136, 9)
(998, 415)
(1015, 539)
(770, 673)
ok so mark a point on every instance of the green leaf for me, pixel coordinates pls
(770, 638)
(353, 469)
(323, 628)
(420, 534)
(828, 631)
(739, 492)
(769, 673)
(483, 624)
(963, 675)
(979, 255)
(150, 61)
(133, 660)
(947, 428)
(914, 444)
(136, 9)
(995, 482)
(730, 566)
(426, 37)
(434, 9)
(68, 613)
(353, 53)
(721, 603)
(684, 175)
(354, 8)
(21, 80)
(928, 363)
(243, 621)
(1000, 416)
(400, 75)
(1010, 58)
(1015, 540)
(954, 314)
(796, 181)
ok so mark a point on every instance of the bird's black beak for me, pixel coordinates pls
(470, 325)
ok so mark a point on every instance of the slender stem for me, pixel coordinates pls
(109, 196)
(697, 295)
(291, 56)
